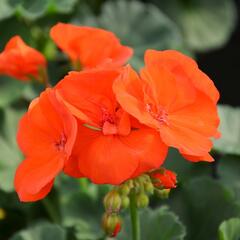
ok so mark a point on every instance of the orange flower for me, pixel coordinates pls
(46, 136)
(164, 178)
(174, 97)
(90, 47)
(21, 61)
(111, 147)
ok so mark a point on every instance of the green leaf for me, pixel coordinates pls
(6, 9)
(230, 229)
(10, 155)
(82, 230)
(185, 169)
(81, 206)
(157, 224)
(228, 173)
(155, 31)
(42, 231)
(33, 9)
(166, 225)
(230, 129)
(10, 90)
(205, 24)
(202, 204)
(62, 6)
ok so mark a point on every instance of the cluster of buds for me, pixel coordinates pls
(159, 181)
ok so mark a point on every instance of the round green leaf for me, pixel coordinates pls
(10, 90)
(205, 24)
(10, 155)
(157, 224)
(62, 6)
(230, 129)
(230, 229)
(228, 172)
(42, 231)
(140, 26)
(6, 9)
(203, 204)
(33, 9)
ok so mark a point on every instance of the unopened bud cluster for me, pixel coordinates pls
(159, 181)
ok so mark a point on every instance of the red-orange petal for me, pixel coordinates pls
(207, 158)
(114, 159)
(86, 93)
(46, 122)
(129, 93)
(190, 128)
(35, 176)
(27, 197)
(21, 61)
(46, 135)
(180, 64)
(91, 46)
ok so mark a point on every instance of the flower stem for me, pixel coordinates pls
(134, 217)
(44, 77)
(51, 210)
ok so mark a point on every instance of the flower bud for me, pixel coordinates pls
(112, 201)
(130, 183)
(163, 178)
(163, 194)
(125, 201)
(124, 189)
(111, 224)
(148, 187)
(142, 200)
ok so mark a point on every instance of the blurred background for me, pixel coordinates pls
(208, 195)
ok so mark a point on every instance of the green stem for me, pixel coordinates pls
(134, 217)
(51, 210)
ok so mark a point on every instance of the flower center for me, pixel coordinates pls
(60, 144)
(108, 123)
(158, 113)
(107, 117)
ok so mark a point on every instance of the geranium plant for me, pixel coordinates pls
(108, 123)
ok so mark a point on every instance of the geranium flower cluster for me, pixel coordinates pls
(107, 122)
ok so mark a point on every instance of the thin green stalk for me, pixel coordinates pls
(134, 217)
(51, 210)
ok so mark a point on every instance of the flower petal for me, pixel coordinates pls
(190, 128)
(129, 93)
(91, 46)
(182, 65)
(35, 176)
(207, 158)
(86, 93)
(114, 159)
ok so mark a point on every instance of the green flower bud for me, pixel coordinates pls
(125, 201)
(163, 194)
(149, 188)
(111, 224)
(142, 200)
(124, 189)
(130, 183)
(112, 201)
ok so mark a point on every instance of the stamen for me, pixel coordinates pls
(160, 114)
